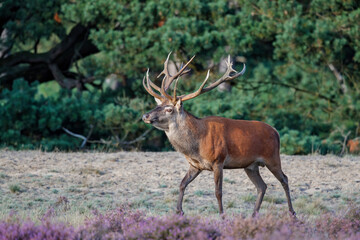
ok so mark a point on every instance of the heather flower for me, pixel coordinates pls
(28, 230)
(171, 227)
(122, 224)
(125, 224)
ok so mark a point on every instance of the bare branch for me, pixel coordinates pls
(138, 139)
(102, 141)
(345, 137)
(317, 94)
(77, 136)
(339, 78)
(344, 142)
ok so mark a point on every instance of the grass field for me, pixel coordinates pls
(72, 186)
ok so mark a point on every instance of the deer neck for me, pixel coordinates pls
(184, 134)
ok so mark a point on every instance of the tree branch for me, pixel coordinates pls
(60, 78)
(339, 78)
(102, 141)
(295, 88)
(77, 136)
(138, 139)
(69, 83)
(85, 139)
(306, 91)
(50, 65)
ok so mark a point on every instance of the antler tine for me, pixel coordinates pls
(181, 72)
(230, 70)
(168, 79)
(237, 73)
(224, 78)
(176, 83)
(165, 71)
(148, 88)
(198, 92)
(163, 91)
(165, 79)
(154, 86)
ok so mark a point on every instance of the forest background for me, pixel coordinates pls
(77, 66)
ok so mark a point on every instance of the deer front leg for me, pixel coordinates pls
(189, 177)
(218, 178)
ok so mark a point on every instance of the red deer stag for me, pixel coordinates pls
(214, 143)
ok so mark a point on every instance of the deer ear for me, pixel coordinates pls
(158, 101)
(178, 104)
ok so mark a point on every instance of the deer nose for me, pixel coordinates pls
(145, 117)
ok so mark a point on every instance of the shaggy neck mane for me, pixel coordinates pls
(184, 134)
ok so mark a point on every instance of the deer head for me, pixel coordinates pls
(170, 107)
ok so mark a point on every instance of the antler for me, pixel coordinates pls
(169, 79)
(166, 82)
(224, 78)
(148, 87)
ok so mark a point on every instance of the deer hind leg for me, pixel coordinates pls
(254, 175)
(218, 178)
(283, 179)
(189, 177)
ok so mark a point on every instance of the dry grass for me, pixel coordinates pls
(72, 185)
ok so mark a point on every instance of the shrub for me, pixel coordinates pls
(125, 224)
(30, 121)
(135, 225)
(17, 229)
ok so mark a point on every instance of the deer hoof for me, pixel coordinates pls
(293, 215)
(255, 214)
(180, 212)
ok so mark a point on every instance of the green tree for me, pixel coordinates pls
(35, 44)
(302, 57)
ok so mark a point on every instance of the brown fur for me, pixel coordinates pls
(354, 146)
(214, 143)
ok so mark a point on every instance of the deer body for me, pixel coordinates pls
(233, 143)
(215, 143)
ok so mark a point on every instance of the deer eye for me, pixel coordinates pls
(169, 110)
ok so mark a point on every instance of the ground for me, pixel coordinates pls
(72, 185)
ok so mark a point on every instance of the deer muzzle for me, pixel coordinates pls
(147, 118)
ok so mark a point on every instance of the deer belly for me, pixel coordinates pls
(241, 162)
(200, 164)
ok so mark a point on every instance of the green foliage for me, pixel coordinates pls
(303, 61)
(28, 122)
(32, 121)
(29, 21)
(14, 188)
